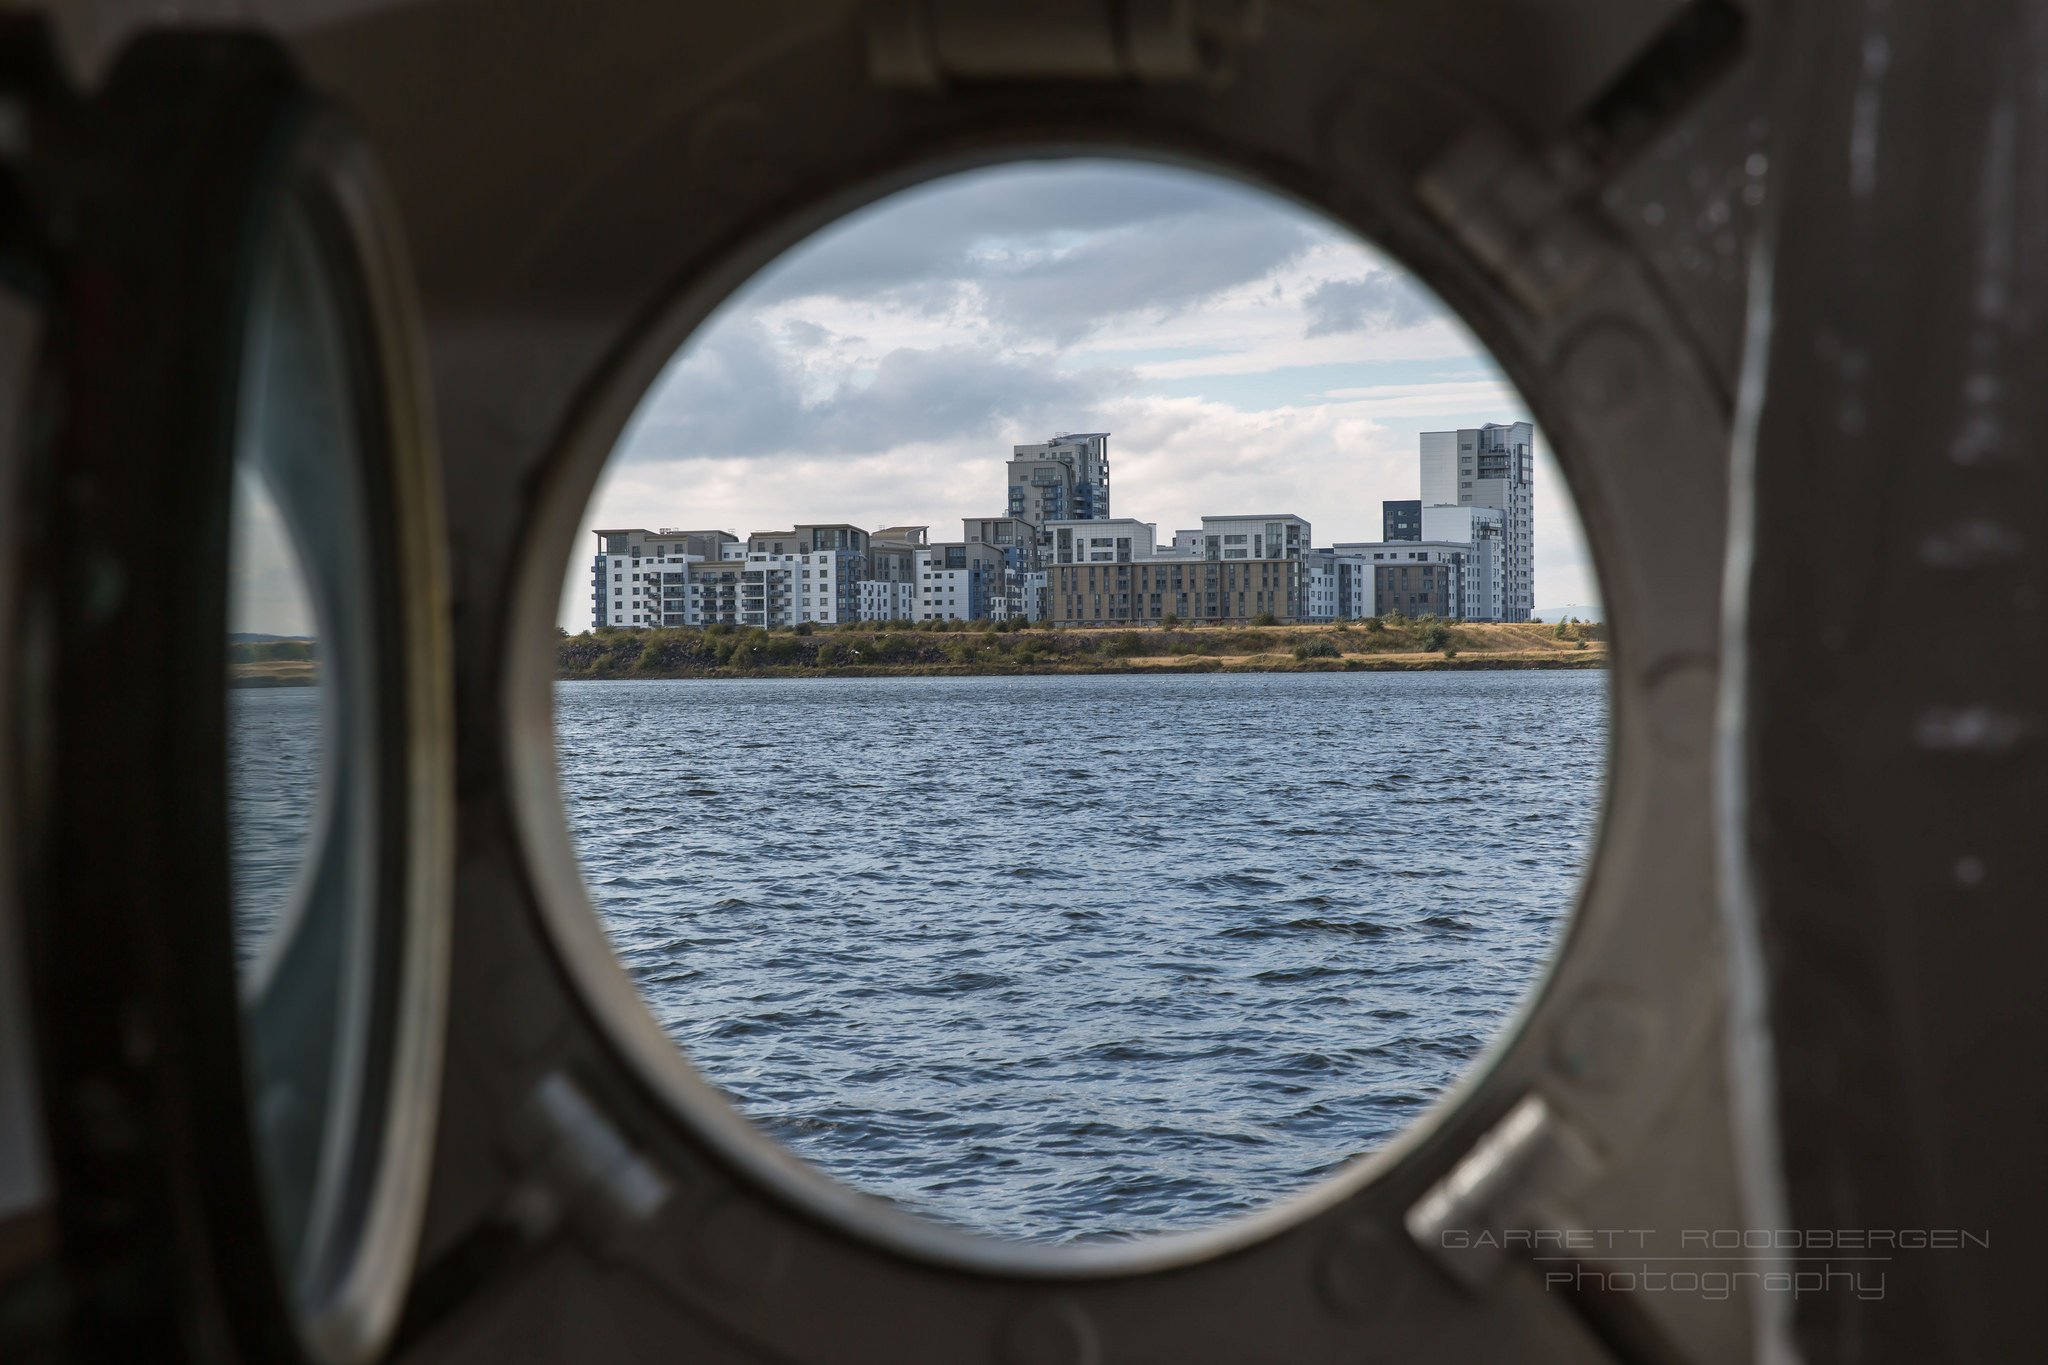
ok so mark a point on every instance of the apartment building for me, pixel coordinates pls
(1267, 536)
(961, 581)
(894, 551)
(1401, 520)
(1194, 590)
(882, 599)
(1418, 588)
(809, 538)
(1491, 466)
(1339, 586)
(710, 594)
(1417, 578)
(1032, 589)
(1064, 479)
(1106, 541)
(626, 577)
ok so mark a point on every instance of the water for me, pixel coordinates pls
(1084, 957)
(273, 790)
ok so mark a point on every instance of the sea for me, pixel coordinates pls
(1084, 958)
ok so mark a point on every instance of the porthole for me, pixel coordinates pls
(238, 628)
(337, 732)
(1103, 928)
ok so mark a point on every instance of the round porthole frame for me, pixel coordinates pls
(572, 921)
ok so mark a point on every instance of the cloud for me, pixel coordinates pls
(1379, 302)
(1046, 251)
(739, 394)
(1167, 269)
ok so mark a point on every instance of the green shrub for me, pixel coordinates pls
(1265, 618)
(1169, 621)
(803, 628)
(1320, 647)
(1432, 635)
(1374, 624)
(827, 655)
(1126, 645)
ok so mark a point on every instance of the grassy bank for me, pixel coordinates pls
(272, 663)
(867, 652)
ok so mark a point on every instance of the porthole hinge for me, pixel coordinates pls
(1523, 1173)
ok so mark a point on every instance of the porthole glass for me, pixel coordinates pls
(1050, 705)
(309, 985)
(274, 712)
(337, 750)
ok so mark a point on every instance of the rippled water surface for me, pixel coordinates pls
(1060, 957)
(273, 791)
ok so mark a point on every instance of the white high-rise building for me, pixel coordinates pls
(1493, 466)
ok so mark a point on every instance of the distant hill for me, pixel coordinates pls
(1556, 614)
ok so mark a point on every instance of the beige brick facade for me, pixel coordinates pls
(1230, 592)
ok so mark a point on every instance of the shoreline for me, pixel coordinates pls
(1393, 647)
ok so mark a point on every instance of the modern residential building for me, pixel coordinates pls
(1153, 588)
(625, 579)
(805, 538)
(1490, 466)
(959, 581)
(1014, 536)
(711, 594)
(1064, 479)
(1031, 586)
(893, 553)
(1103, 541)
(1484, 530)
(1418, 588)
(1339, 586)
(1020, 543)
(768, 590)
(821, 563)
(1401, 520)
(1419, 578)
(882, 599)
(1267, 536)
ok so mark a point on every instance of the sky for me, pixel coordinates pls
(1246, 355)
(266, 584)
